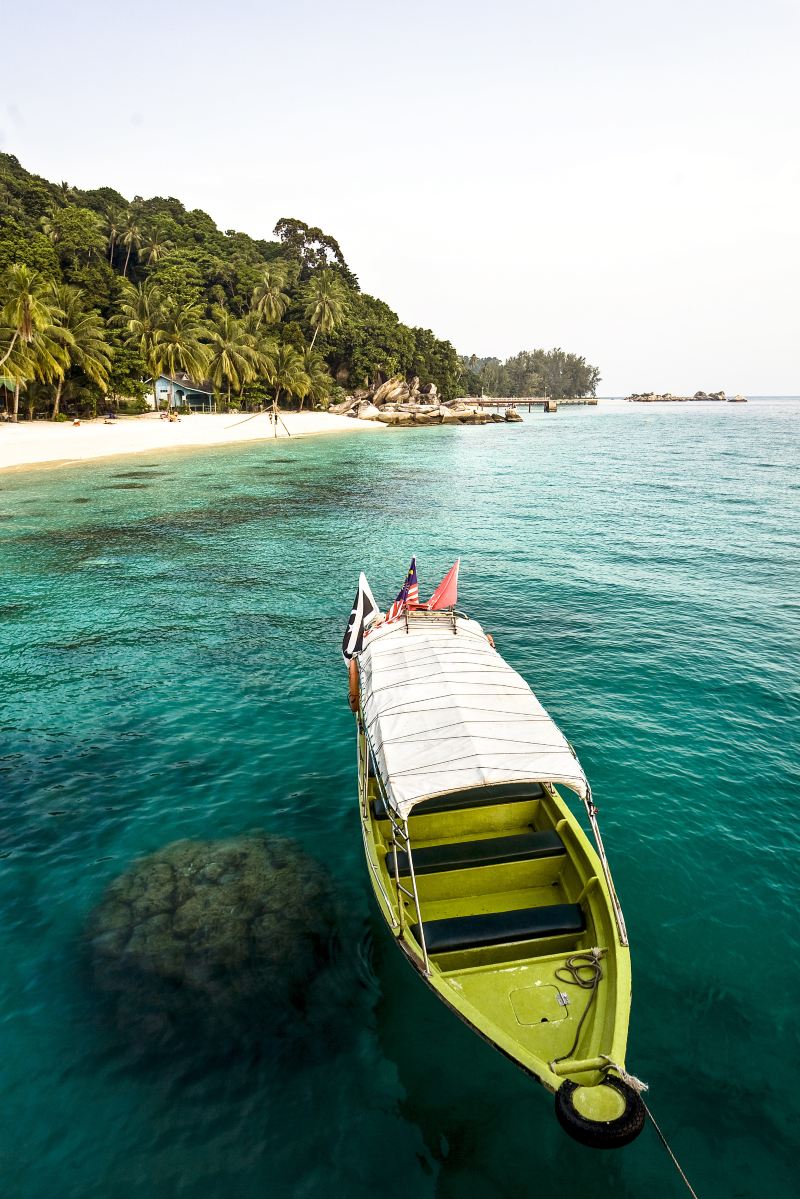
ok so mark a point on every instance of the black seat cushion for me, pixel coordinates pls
(476, 797)
(501, 928)
(494, 851)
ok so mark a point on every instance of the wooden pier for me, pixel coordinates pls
(529, 402)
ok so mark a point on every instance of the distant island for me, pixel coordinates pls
(651, 397)
(552, 373)
(107, 302)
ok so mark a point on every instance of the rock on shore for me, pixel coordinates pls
(404, 405)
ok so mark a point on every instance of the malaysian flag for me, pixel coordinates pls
(408, 595)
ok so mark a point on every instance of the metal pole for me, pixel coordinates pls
(416, 897)
(591, 812)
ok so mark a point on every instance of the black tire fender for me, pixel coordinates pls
(601, 1134)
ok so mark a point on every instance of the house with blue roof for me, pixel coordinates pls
(186, 393)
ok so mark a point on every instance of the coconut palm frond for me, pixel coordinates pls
(326, 302)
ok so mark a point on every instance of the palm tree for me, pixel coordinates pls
(141, 315)
(269, 300)
(43, 358)
(180, 342)
(50, 227)
(115, 219)
(153, 245)
(19, 370)
(235, 356)
(289, 375)
(326, 302)
(318, 376)
(131, 237)
(27, 306)
(83, 337)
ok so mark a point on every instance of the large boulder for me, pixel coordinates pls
(346, 407)
(392, 391)
(206, 944)
(512, 415)
(367, 411)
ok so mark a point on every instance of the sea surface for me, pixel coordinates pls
(169, 636)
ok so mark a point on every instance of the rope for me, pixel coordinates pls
(675, 1161)
(633, 1082)
(236, 424)
(640, 1087)
(583, 970)
(570, 973)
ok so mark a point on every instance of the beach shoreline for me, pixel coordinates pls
(32, 444)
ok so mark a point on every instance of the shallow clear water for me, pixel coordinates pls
(170, 668)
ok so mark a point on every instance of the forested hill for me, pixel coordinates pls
(99, 294)
(137, 266)
(552, 373)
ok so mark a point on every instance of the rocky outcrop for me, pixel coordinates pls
(404, 404)
(650, 397)
(206, 944)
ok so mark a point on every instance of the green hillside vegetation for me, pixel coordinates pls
(553, 373)
(99, 294)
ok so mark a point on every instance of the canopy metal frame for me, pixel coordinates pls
(400, 829)
(401, 840)
(591, 812)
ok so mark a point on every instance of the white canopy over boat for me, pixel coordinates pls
(444, 712)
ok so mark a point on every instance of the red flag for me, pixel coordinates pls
(446, 594)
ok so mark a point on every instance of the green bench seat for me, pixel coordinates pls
(475, 797)
(493, 851)
(501, 928)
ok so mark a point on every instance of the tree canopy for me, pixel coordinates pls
(553, 373)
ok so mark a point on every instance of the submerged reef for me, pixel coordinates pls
(212, 944)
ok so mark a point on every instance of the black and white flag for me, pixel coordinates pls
(364, 610)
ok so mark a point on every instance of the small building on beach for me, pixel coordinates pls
(186, 393)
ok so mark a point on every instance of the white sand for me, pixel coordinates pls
(39, 442)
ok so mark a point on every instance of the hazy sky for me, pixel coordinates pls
(621, 179)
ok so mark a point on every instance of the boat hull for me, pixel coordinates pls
(514, 995)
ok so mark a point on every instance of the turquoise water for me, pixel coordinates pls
(170, 661)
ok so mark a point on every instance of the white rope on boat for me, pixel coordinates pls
(633, 1082)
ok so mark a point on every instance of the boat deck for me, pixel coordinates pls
(524, 1000)
(499, 923)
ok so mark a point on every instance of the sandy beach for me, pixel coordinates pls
(40, 443)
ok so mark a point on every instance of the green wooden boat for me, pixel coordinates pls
(482, 871)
